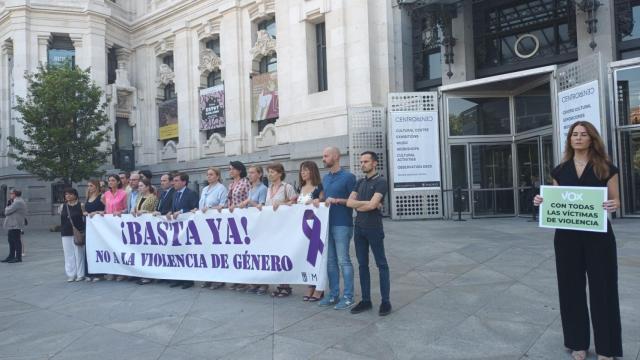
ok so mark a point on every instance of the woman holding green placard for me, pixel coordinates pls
(586, 163)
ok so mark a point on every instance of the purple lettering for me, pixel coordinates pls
(150, 235)
(135, 236)
(232, 232)
(287, 264)
(215, 230)
(192, 233)
(162, 234)
(177, 227)
(275, 263)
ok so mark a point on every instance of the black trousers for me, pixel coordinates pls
(580, 253)
(15, 245)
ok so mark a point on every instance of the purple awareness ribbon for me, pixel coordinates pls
(316, 246)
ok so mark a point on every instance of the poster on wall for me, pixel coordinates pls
(580, 103)
(168, 119)
(415, 149)
(212, 108)
(264, 96)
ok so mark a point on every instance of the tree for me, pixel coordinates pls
(64, 125)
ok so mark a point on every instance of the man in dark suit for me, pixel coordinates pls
(165, 200)
(165, 204)
(184, 200)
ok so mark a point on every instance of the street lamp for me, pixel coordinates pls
(590, 7)
(438, 28)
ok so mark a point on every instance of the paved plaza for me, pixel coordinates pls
(481, 289)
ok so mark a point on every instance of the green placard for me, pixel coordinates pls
(573, 208)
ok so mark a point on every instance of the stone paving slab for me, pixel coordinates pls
(482, 289)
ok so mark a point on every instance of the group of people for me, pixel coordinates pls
(133, 193)
(580, 255)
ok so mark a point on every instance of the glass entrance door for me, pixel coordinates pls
(492, 180)
(528, 173)
(534, 164)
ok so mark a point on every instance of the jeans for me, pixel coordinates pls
(338, 260)
(374, 238)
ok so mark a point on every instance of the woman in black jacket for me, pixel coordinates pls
(71, 216)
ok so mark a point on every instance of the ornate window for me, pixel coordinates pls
(627, 14)
(516, 35)
(61, 51)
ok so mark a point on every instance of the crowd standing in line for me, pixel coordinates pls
(133, 193)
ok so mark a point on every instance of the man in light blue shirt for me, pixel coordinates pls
(337, 185)
(132, 197)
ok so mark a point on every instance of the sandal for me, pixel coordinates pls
(282, 292)
(309, 295)
(315, 298)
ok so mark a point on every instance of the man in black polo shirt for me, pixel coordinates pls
(366, 198)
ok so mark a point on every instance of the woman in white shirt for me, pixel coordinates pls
(279, 193)
(214, 195)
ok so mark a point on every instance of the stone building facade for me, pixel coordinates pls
(322, 56)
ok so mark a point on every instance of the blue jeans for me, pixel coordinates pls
(339, 260)
(374, 238)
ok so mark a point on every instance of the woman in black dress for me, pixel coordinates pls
(586, 163)
(92, 206)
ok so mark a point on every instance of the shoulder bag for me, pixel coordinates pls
(78, 236)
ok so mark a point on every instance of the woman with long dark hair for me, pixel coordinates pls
(586, 163)
(310, 189)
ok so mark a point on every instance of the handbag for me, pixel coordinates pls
(78, 236)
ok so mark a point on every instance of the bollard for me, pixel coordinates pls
(458, 199)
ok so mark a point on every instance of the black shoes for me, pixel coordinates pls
(8, 259)
(362, 306)
(13, 261)
(385, 308)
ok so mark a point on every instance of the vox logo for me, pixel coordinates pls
(571, 196)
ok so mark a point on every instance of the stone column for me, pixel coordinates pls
(22, 61)
(43, 48)
(6, 51)
(236, 81)
(463, 66)
(185, 60)
(122, 73)
(145, 77)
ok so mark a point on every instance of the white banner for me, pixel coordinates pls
(415, 149)
(249, 246)
(580, 103)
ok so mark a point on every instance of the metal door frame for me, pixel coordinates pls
(513, 177)
(616, 128)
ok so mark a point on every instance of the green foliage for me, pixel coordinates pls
(64, 125)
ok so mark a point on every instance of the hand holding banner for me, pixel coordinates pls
(573, 208)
